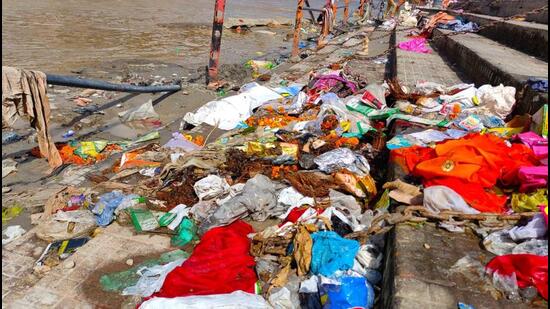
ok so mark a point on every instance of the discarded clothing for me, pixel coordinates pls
(331, 253)
(538, 84)
(24, 95)
(441, 198)
(219, 264)
(417, 45)
(472, 165)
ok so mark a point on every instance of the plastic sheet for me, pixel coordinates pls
(331, 253)
(334, 160)
(235, 300)
(212, 186)
(144, 111)
(151, 279)
(348, 292)
(226, 114)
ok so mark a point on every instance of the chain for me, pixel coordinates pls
(383, 222)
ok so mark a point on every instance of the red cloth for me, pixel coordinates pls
(296, 213)
(530, 269)
(220, 264)
(472, 166)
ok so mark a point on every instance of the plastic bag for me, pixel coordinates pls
(173, 218)
(144, 111)
(212, 186)
(499, 242)
(334, 160)
(151, 279)
(179, 142)
(344, 202)
(143, 220)
(534, 229)
(12, 232)
(374, 96)
(259, 198)
(117, 282)
(226, 114)
(499, 100)
(105, 208)
(440, 198)
(331, 252)
(347, 292)
(235, 300)
(533, 246)
(525, 269)
(187, 231)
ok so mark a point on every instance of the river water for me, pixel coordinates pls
(63, 35)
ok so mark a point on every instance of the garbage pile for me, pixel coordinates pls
(287, 208)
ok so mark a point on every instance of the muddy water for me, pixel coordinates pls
(60, 36)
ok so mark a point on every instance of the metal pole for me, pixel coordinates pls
(346, 11)
(362, 8)
(334, 10)
(310, 12)
(297, 28)
(217, 27)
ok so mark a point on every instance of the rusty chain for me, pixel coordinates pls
(383, 222)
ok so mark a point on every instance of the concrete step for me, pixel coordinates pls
(505, 8)
(416, 272)
(485, 61)
(411, 67)
(528, 37)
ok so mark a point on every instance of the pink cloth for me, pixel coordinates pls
(417, 45)
(532, 177)
(538, 144)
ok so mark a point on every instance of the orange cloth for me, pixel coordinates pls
(472, 166)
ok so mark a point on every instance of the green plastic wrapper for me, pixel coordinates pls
(143, 220)
(116, 282)
(186, 232)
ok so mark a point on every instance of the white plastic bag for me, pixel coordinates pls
(226, 113)
(151, 279)
(440, 198)
(339, 158)
(235, 300)
(12, 232)
(211, 186)
(144, 111)
(499, 100)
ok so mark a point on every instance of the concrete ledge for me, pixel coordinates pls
(417, 276)
(505, 8)
(488, 62)
(530, 38)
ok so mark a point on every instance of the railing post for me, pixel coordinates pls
(334, 10)
(215, 46)
(297, 28)
(346, 11)
(362, 8)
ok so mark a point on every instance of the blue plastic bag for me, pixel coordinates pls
(104, 209)
(331, 252)
(352, 292)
